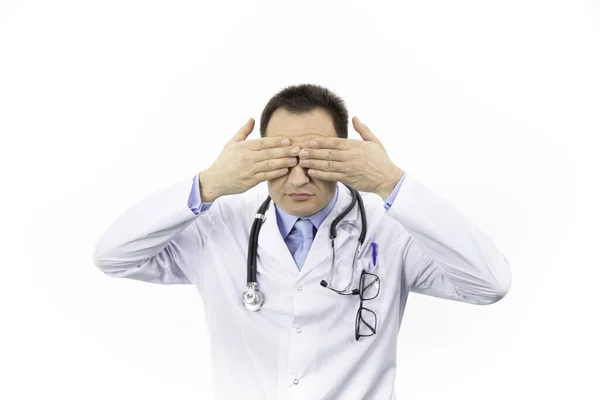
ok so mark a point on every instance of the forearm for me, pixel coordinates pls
(134, 245)
(447, 256)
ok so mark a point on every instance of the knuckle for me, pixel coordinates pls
(257, 167)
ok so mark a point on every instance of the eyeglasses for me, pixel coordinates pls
(366, 320)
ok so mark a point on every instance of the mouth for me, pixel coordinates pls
(299, 196)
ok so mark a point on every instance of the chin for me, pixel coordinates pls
(301, 209)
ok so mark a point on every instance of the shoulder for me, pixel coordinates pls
(371, 201)
(241, 206)
(377, 215)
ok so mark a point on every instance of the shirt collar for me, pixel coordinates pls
(286, 221)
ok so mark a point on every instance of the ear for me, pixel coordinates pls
(364, 131)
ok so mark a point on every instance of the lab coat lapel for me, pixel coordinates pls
(272, 246)
(348, 227)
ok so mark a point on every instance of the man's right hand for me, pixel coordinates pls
(243, 164)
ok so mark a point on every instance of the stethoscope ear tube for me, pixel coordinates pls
(333, 228)
(252, 298)
(253, 242)
(251, 257)
(363, 217)
(333, 233)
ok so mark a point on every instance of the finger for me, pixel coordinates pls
(269, 175)
(364, 131)
(330, 143)
(326, 176)
(327, 166)
(267, 143)
(275, 152)
(244, 131)
(273, 164)
(325, 154)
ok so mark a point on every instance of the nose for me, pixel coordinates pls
(298, 176)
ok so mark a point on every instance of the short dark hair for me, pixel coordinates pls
(304, 98)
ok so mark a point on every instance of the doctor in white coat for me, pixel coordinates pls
(307, 341)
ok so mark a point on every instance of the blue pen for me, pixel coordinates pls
(374, 253)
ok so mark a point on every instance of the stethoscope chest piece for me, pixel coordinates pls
(252, 298)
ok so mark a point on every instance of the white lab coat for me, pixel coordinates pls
(301, 345)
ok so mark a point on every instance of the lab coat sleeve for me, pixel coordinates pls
(157, 240)
(194, 202)
(390, 200)
(445, 255)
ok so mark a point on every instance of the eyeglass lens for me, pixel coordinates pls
(366, 320)
(369, 286)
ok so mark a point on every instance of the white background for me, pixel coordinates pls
(492, 105)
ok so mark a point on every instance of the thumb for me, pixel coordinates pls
(364, 131)
(244, 131)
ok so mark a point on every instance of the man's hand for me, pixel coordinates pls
(243, 164)
(361, 164)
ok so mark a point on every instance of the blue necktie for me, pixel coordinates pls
(304, 229)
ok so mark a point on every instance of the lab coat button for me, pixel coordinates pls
(299, 288)
(299, 330)
(296, 381)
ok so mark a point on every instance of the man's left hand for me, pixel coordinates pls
(361, 164)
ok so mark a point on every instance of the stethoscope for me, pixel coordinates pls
(253, 298)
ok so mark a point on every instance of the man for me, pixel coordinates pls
(306, 342)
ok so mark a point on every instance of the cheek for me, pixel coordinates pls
(325, 187)
(275, 185)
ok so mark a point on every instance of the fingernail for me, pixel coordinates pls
(285, 142)
(295, 150)
(304, 153)
(313, 143)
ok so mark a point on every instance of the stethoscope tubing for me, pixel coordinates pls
(252, 297)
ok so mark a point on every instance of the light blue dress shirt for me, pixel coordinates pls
(285, 221)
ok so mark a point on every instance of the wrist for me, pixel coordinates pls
(208, 189)
(386, 189)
